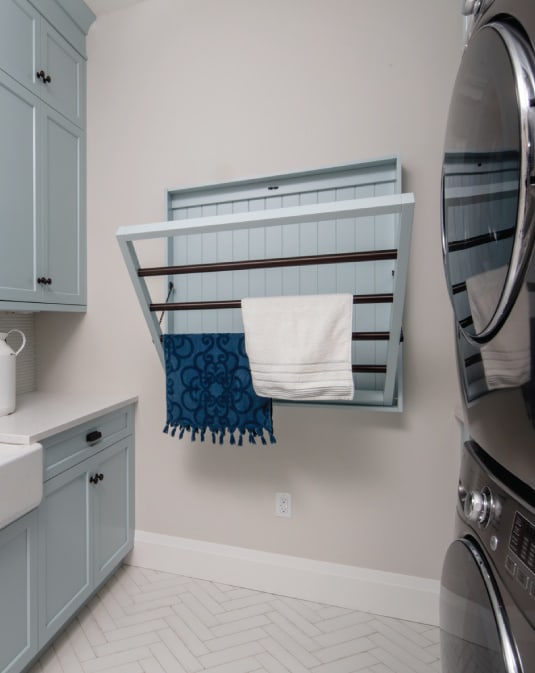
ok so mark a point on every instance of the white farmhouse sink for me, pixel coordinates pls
(21, 480)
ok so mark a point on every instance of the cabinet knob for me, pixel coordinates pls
(44, 281)
(93, 436)
(95, 478)
(41, 74)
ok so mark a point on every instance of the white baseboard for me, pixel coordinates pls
(382, 593)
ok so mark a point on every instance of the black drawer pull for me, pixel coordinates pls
(93, 436)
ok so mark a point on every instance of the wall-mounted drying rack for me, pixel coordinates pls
(340, 229)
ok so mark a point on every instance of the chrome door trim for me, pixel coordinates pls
(523, 65)
(509, 652)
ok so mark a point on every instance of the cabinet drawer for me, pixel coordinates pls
(72, 446)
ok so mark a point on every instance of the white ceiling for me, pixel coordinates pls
(105, 6)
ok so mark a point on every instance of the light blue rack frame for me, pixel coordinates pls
(342, 210)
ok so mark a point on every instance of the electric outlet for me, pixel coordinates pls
(283, 504)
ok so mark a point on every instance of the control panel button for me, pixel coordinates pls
(510, 566)
(522, 578)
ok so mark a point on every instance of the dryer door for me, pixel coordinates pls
(488, 200)
(474, 630)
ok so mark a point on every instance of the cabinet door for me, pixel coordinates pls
(65, 577)
(64, 85)
(18, 191)
(113, 507)
(18, 593)
(18, 46)
(63, 210)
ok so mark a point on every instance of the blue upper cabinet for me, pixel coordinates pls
(42, 165)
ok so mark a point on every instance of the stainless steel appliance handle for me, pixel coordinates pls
(473, 7)
(470, 7)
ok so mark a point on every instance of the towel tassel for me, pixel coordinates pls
(236, 436)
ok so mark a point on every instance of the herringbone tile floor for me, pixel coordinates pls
(143, 621)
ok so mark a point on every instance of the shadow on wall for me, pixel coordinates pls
(355, 459)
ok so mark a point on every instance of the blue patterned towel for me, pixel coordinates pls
(209, 388)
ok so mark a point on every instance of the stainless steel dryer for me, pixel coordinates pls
(487, 606)
(487, 600)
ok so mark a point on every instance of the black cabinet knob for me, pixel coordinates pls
(41, 74)
(95, 478)
(93, 436)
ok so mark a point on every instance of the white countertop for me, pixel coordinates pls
(39, 415)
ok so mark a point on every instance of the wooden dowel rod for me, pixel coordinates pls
(236, 303)
(369, 369)
(370, 336)
(473, 360)
(456, 288)
(337, 258)
(482, 239)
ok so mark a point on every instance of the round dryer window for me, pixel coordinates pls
(488, 171)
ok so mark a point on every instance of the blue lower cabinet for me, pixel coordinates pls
(85, 530)
(65, 580)
(112, 508)
(53, 559)
(18, 593)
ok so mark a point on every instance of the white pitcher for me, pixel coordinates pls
(8, 379)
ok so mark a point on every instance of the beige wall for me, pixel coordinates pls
(186, 92)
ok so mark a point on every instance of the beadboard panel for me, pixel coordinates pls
(26, 358)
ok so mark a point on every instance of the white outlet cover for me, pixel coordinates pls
(283, 505)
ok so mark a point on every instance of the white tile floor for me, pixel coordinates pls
(143, 621)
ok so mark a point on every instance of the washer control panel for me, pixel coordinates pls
(502, 521)
(522, 541)
(522, 546)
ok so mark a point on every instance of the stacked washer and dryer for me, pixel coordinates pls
(487, 601)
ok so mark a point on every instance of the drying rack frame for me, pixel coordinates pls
(399, 204)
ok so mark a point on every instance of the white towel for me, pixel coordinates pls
(299, 348)
(507, 357)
